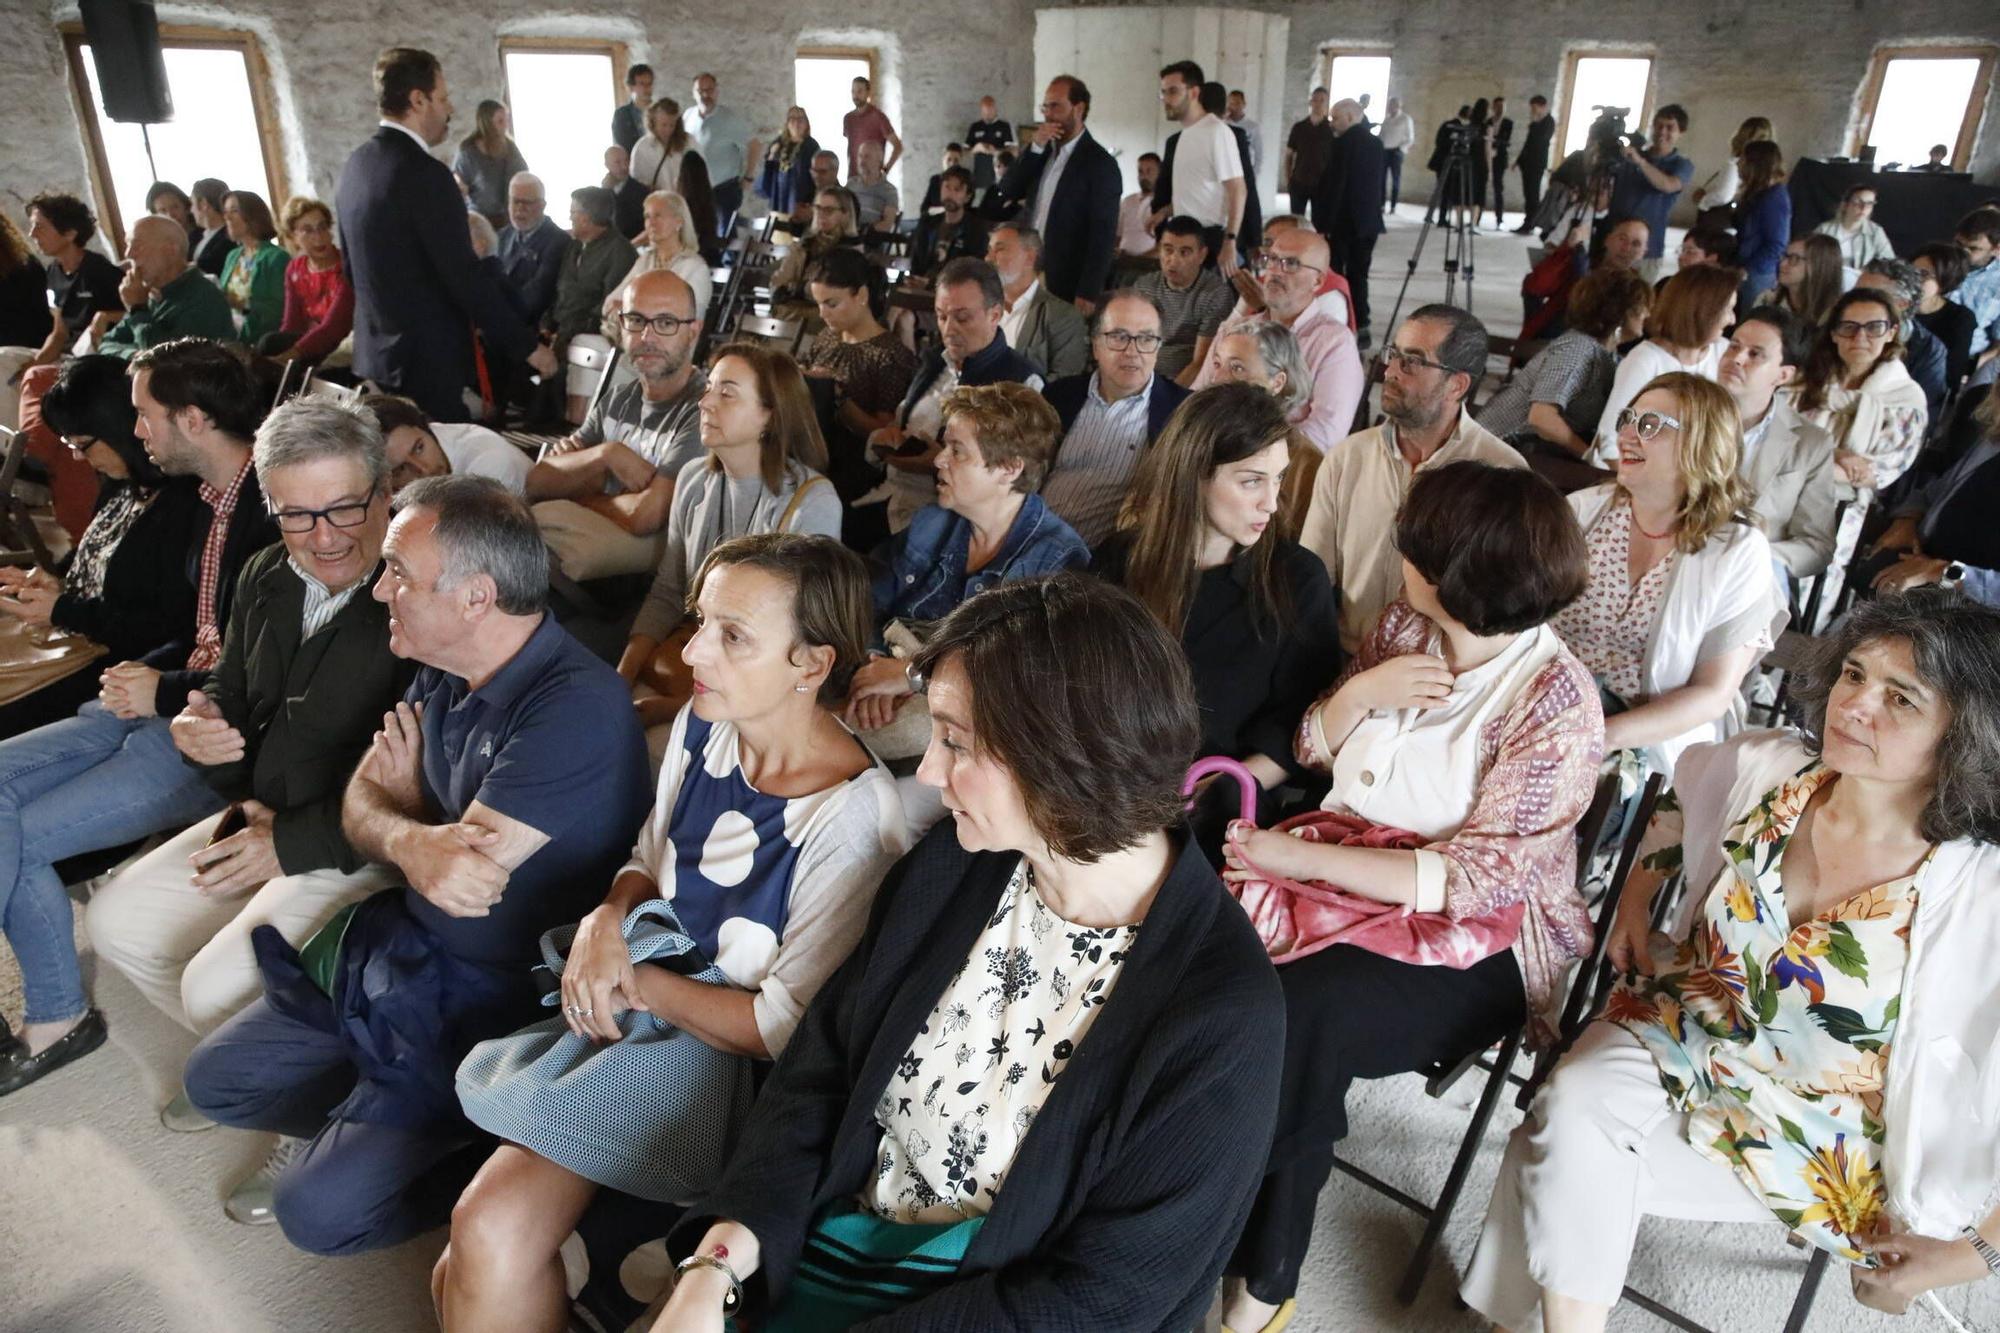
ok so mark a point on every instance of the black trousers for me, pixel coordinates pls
(1499, 186)
(1531, 187)
(1352, 257)
(1350, 1014)
(1392, 174)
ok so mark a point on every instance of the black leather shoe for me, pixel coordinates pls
(18, 1069)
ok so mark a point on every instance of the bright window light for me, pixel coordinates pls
(213, 132)
(561, 103)
(1358, 77)
(824, 86)
(1605, 81)
(1922, 102)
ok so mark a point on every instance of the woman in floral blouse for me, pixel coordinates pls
(1815, 1041)
(1466, 722)
(1039, 1094)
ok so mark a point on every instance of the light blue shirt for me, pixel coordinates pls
(1980, 293)
(722, 136)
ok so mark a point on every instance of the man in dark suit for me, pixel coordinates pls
(1503, 141)
(1347, 207)
(1066, 186)
(1534, 160)
(418, 289)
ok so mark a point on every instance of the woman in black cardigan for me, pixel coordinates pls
(125, 585)
(1086, 1155)
(1199, 544)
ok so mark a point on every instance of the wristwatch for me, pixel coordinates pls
(1984, 1249)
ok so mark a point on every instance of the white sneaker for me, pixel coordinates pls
(251, 1202)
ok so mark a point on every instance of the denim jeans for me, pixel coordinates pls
(80, 785)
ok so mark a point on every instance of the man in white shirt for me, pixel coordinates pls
(418, 447)
(1428, 372)
(1208, 171)
(1239, 106)
(726, 145)
(1787, 461)
(1135, 211)
(1398, 133)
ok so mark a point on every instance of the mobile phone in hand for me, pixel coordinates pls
(233, 822)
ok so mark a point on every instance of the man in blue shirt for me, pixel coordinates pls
(506, 790)
(531, 248)
(1649, 182)
(1979, 233)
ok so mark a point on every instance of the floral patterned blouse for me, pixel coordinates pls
(1609, 626)
(964, 1094)
(1775, 1038)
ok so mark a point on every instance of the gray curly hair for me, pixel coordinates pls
(1279, 350)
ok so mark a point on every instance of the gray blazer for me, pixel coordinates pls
(1792, 476)
(1055, 336)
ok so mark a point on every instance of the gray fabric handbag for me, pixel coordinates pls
(653, 1114)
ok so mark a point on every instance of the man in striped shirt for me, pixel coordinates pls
(1193, 299)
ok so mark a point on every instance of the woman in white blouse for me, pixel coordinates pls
(1684, 332)
(656, 158)
(772, 828)
(1720, 189)
(1681, 602)
(1861, 238)
(671, 243)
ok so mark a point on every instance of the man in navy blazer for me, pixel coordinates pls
(1110, 416)
(418, 288)
(1347, 206)
(1066, 186)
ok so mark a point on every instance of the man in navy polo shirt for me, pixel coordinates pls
(507, 789)
(1648, 183)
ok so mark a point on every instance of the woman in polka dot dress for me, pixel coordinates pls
(772, 829)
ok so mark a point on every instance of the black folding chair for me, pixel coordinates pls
(20, 540)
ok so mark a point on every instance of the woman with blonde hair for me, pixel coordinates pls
(1683, 333)
(1810, 279)
(319, 301)
(836, 221)
(763, 471)
(671, 243)
(785, 180)
(1718, 194)
(1199, 546)
(488, 158)
(1681, 603)
(656, 158)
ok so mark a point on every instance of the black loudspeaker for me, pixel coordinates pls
(124, 40)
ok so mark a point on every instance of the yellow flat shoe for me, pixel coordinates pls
(1277, 1321)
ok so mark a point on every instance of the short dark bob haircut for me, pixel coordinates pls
(1499, 543)
(832, 606)
(1080, 694)
(92, 397)
(1956, 645)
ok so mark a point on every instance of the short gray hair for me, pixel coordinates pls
(1956, 645)
(1029, 238)
(483, 528)
(1909, 279)
(1279, 349)
(1464, 346)
(527, 178)
(308, 429)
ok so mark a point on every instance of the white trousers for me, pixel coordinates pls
(1601, 1148)
(190, 953)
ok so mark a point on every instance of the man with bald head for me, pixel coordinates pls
(605, 490)
(1347, 205)
(1110, 416)
(1289, 269)
(165, 296)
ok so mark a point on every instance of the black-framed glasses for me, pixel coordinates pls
(1874, 328)
(1119, 339)
(665, 325)
(1645, 425)
(1270, 263)
(1396, 357)
(351, 515)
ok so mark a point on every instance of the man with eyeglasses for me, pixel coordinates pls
(1065, 186)
(1289, 270)
(1109, 417)
(304, 678)
(1429, 370)
(604, 491)
(1193, 299)
(1203, 174)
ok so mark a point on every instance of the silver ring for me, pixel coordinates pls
(583, 1013)
(571, 1009)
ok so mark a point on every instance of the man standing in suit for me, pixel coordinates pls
(1534, 160)
(1503, 142)
(418, 289)
(1347, 207)
(1065, 186)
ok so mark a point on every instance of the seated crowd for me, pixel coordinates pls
(761, 816)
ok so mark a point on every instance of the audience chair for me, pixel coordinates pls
(1499, 1064)
(780, 334)
(20, 540)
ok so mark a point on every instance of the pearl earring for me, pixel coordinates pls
(798, 689)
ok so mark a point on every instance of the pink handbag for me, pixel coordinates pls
(1296, 919)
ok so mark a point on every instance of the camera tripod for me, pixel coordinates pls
(1453, 191)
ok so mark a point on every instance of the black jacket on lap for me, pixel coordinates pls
(1130, 1190)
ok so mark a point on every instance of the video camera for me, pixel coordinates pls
(1459, 139)
(1607, 134)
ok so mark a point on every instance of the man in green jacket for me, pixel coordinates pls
(165, 296)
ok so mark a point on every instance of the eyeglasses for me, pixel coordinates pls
(1874, 328)
(340, 516)
(1789, 258)
(665, 325)
(1270, 263)
(1396, 358)
(1863, 201)
(1645, 425)
(1118, 340)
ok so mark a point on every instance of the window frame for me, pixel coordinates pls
(1330, 51)
(1986, 53)
(867, 53)
(182, 36)
(1641, 121)
(618, 51)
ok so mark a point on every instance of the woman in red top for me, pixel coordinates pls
(319, 302)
